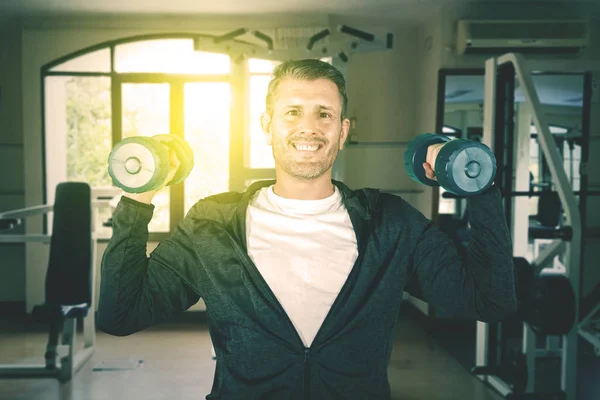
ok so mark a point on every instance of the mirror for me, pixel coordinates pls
(460, 115)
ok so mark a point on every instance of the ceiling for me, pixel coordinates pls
(565, 91)
(389, 10)
(409, 9)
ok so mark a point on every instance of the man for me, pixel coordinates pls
(303, 277)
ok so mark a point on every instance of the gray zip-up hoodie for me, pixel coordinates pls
(259, 352)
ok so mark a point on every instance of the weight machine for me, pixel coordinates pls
(70, 278)
(566, 241)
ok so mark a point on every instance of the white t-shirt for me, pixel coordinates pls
(304, 249)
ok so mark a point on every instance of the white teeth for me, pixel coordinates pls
(306, 147)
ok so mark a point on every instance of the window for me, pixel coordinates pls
(170, 56)
(161, 85)
(95, 61)
(145, 111)
(206, 129)
(77, 126)
(259, 154)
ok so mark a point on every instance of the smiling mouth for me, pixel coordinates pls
(307, 147)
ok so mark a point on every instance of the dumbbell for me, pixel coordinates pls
(139, 164)
(463, 167)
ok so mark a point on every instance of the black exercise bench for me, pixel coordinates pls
(69, 283)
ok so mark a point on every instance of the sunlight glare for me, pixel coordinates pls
(170, 56)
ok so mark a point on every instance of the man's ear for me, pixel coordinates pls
(344, 132)
(265, 122)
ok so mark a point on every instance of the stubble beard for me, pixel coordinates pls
(304, 170)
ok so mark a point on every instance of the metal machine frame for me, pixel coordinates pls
(570, 249)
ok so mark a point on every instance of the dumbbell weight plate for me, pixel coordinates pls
(184, 153)
(465, 167)
(416, 154)
(137, 164)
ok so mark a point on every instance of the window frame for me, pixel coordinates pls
(238, 77)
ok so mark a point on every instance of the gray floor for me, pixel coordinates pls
(176, 364)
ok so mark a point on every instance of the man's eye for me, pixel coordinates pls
(292, 112)
(325, 115)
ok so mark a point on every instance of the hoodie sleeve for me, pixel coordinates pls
(479, 284)
(137, 291)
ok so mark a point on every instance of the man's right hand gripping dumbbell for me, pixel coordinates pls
(142, 166)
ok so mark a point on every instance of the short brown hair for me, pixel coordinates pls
(307, 69)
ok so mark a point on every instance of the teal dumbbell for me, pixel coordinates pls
(140, 164)
(462, 167)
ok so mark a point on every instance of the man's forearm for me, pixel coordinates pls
(489, 256)
(123, 268)
(479, 285)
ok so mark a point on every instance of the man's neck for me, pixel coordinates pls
(293, 188)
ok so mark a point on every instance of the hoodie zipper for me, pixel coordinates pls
(306, 373)
(246, 259)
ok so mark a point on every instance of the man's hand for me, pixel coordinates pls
(432, 152)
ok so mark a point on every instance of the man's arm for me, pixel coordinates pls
(480, 285)
(137, 291)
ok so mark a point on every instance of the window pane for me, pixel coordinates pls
(89, 129)
(77, 130)
(146, 109)
(259, 66)
(171, 56)
(206, 129)
(261, 154)
(146, 112)
(97, 61)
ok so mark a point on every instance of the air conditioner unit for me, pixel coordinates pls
(538, 36)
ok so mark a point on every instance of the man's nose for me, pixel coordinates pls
(308, 125)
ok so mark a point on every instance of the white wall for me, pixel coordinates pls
(381, 91)
(427, 63)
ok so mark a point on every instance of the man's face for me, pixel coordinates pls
(305, 129)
